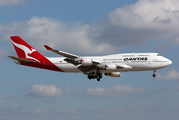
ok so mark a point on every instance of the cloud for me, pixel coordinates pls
(3, 53)
(2, 96)
(10, 2)
(140, 22)
(39, 111)
(41, 90)
(136, 112)
(70, 110)
(13, 107)
(57, 34)
(146, 13)
(131, 25)
(176, 88)
(169, 76)
(118, 90)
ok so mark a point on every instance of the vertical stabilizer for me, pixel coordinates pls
(28, 56)
(24, 50)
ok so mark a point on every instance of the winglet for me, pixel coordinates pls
(47, 47)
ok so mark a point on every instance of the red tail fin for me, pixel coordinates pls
(28, 54)
(24, 50)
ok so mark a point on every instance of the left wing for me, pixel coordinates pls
(65, 54)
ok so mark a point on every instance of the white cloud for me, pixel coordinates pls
(169, 76)
(42, 90)
(147, 13)
(137, 23)
(10, 2)
(3, 53)
(71, 110)
(39, 111)
(130, 25)
(113, 110)
(176, 88)
(2, 96)
(14, 106)
(55, 33)
(118, 90)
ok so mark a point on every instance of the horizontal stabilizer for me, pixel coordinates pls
(21, 59)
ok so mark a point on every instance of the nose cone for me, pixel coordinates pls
(165, 62)
(169, 62)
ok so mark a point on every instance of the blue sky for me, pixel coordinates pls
(95, 27)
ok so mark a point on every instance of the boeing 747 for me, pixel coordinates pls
(93, 66)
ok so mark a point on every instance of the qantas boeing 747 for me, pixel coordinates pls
(93, 66)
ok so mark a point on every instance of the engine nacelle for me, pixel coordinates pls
(111, 67)
(113, 74)
(86, 62)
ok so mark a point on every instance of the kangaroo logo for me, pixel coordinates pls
(26, 50)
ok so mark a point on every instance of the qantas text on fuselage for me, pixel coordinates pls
(93, 66)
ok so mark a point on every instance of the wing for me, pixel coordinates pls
(65, 54)
(71, 58)
(87, 65)
(87, 69)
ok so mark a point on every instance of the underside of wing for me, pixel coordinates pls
(87, 69)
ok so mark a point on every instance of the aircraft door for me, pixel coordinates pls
(149, 60)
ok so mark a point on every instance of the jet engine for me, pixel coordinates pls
(111, 67)
(113, 74)
(86, 62)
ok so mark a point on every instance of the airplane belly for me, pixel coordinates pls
(140, 66)
(68, 68)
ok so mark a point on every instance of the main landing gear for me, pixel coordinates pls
(154, 75)
(98, 76)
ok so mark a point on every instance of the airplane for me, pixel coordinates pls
(93, 66)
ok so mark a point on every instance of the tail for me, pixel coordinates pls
(24, 50)
(28, 56)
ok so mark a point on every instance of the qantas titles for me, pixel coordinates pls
(136, 59)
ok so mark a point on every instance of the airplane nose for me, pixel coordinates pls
(169, 62)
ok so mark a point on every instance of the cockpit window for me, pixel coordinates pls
(158, 54)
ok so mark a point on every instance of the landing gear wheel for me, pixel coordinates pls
(98, 79)
(89, 77)
(154, 75)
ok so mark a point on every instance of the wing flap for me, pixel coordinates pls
(21, 59)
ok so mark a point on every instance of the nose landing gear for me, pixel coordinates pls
(154, 75)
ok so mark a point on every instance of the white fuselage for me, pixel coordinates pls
(136, 61)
